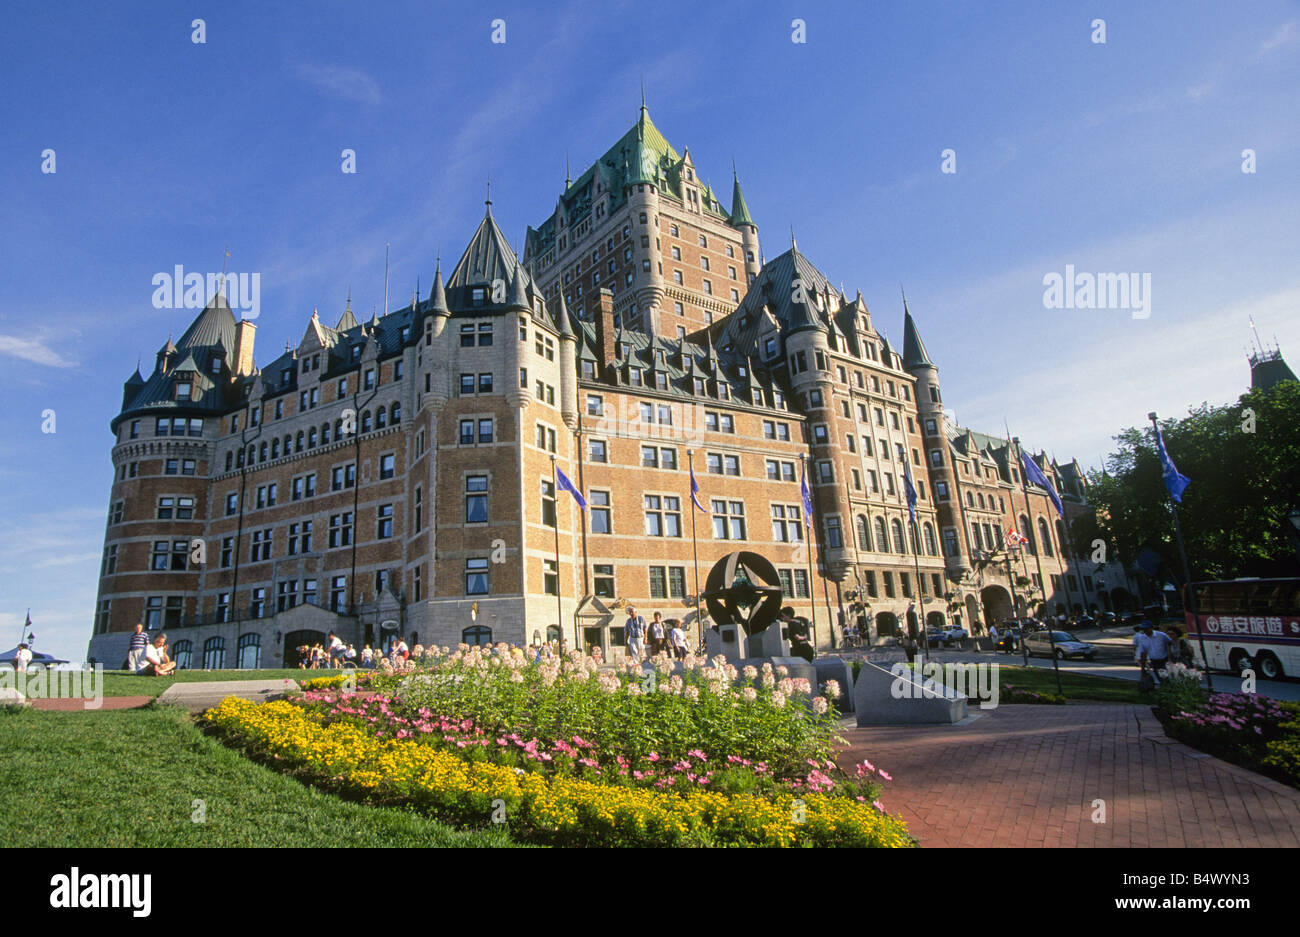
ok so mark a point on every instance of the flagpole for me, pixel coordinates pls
(812, 540)
(1038, 559)
(559, 601)
(1189, 596)
(695, 550)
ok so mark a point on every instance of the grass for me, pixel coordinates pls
(1074, 686)
(120, 683)
(129, 778)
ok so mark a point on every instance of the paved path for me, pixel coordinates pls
(1024, 775)
(197, 697)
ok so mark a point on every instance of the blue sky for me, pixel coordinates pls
(1115, 157)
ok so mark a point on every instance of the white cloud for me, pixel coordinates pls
(32, 350)
(350, 84)
(1281, 36)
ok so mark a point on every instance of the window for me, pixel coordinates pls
(787, 523)
(597, 450)
(384, 519)
(550, 577)
(476, 499)
(834, 536)
(338, 593)
(548, 502)
(545, 437)
(477, 635)
(599, 503)
(286, 596)
(214, 649)
(476, 578)
(603, 580)
(386, 465)
(825, 472)
(340, 533)
(663, 516)
(728, 520)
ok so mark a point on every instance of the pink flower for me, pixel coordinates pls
(885, 775)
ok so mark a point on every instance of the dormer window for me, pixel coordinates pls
(183, 390)
(286, 375)
(356, 353)
(478, 296)
(215, 366)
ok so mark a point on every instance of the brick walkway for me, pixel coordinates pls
(79, 705)
(1023, 775)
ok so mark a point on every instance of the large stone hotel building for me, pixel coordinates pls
(397, 476)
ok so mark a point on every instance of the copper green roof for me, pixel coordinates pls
(914, 353)
(739, 210)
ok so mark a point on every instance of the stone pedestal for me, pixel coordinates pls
(899, 696)
(770, 642)
(837, 669)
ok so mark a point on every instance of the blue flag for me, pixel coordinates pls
(564, 484)
(1035, 475)
(807, 495)
(910, 491)
(695, 490)
(1175, 482)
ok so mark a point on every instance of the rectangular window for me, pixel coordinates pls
(387, 465)
(476, 499)
(340, 533)
(548, 502)
(384, 526)
(603, 580)
(338, 593)
(476, 576)
(599, 503)
(728, 519)
(597, 450)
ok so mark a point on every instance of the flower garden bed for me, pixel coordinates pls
(1255, 732)
(568, 753)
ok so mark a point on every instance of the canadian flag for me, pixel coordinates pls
(1013, 536)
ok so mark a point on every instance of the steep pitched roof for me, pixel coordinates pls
(739, 210)
(215, 325)
(914, 353)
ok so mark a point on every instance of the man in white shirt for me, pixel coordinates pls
(155, 661)
(337, 649)
(22, 658)
(1154, 647)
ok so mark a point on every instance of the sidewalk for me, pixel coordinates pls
(1023, 775)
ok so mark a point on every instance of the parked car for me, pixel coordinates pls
(1066, 645)
(956, 634)
(1085, 621)
(1008, 638)
(937, 638)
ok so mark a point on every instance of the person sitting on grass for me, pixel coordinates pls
(155, 662)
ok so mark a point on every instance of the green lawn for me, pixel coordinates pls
(1076, 686)
(120, 683)
(130, 778)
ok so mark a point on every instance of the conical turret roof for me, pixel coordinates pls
(914, 353)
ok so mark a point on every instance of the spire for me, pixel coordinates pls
(518, 298)
(562, 317)
(488, 201)
(739, 210)
(347, 320)
(437, 294)
(914, 353)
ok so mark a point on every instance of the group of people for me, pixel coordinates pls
(655, 638)
(1154, 648)
(335, 653)
(148, 658)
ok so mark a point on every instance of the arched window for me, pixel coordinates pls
(338, 429)
(931, 546)
(477, 634)
(261, 454)
(381, 418)
(1045, 535)
(182, 653)
(275, 448)
(552, 632)
(311, 438)
(365, 421)
(324, 433)
(297, 444)
(900, 546)
(1028, 533)
(250, 652)
(1060, 536)
(288, 444)
(214, 654)
(240, 458)
(230, 458)
(397, 413)
(882, 538)
(864, 533)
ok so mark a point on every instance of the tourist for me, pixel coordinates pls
(1182, 647)
(156, 663)
(993, 637)
(368, 656)
(1154, 646)
(336, 649)
(22, 657)
(677, 638)
(351, 654)
(657, 645)
(135, 650)
(634, 634)
(1137, 644)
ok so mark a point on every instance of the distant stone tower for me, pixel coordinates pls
(642, 180)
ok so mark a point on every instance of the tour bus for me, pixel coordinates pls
(1247, 624)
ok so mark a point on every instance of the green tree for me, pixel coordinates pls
(1243, 460)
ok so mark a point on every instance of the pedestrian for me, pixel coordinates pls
(1137, 644)
(1154, 646)
(367, 656)
(1182, 647)
(634, 634)
(658, 643)
(136, 649)
(677, 638)
(22, 657)
(993, 637)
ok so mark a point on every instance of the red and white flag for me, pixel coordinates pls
(1014, 537)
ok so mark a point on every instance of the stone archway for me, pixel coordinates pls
(934, 620)
(973, 613)
(886, 624)
(997, 605)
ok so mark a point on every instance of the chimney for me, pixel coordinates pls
(605, 326)
(244, 334)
